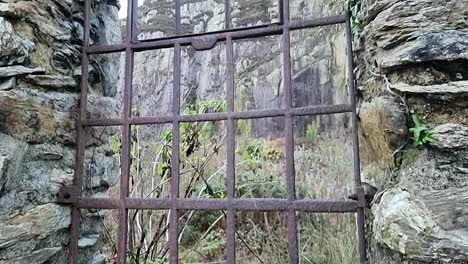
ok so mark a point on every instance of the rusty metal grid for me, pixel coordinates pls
(291, 205)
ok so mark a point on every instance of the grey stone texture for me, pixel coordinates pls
(415, 53)
(40, 50)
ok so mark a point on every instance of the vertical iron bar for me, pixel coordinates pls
(174, 214)
(80, 140)
(357, 164)
(126, 138)
(231, 148)
(293, 255)
(227, 14)
(174, 218)
(135, 17)
(281, 13)
(131, 36)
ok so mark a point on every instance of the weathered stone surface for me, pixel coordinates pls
(103, 107)
(54, 82)
(102, 168)
(450, 136)
(9, 71)
(38, 222)
(38, 112)
(13, 48)
(418, 214)
(374, 178)
(440, 46)
(421, 216)
(59, 178)
(47, 152)
(414, 31)
(11, 155)
(424, 226)
(455, 88)
(37, 257)
(8, 84)
(39, 16)
(383, 124)
(452, 91)
(99, 259)
(37, 116)
(88, 241)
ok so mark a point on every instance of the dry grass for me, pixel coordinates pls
(324, 167)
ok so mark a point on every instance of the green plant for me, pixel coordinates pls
(115, 144)
(251, 154)
(213, 243)
(260, 166)
(421, 131)
(207, 106)
(212, 106)
(165, 148)
(358, 15)
(312, 131)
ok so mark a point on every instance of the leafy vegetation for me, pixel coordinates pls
(421, 131)
(358, 15)
(260, 163)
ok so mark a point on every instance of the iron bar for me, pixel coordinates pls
(80, 140)
(234, 34)
(253, 114)
(293, 253)
(244, 204)
(173, 227)
(231, 204)
(134, 21)
(357, 163)
(126, 136)
(230, 153)
(175, 163)
(227, 14)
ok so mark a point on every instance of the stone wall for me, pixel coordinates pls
(40, 50)
(414, 62)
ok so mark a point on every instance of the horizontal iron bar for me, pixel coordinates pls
(218, 36)
(300, 111)
(98, 203)
(253, 204)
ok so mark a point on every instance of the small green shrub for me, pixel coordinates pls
(421, 131)
(251, 154)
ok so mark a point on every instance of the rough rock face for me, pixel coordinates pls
(40, 50)
(415, 57)
(318, 61)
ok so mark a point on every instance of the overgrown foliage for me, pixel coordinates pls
(358, 15)
(261, 236)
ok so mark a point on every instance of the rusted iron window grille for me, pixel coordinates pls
(72, 195)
